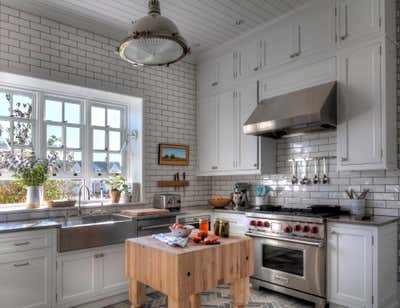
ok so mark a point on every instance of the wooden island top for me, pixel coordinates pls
(182, 273)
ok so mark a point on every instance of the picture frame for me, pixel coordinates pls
(173, 154)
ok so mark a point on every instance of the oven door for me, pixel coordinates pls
(292, 263)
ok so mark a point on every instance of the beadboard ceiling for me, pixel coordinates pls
(204, 23)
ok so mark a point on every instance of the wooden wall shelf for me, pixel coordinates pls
(173, 183)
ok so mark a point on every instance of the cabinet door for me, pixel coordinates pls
(207, 134)
(227, 69)
(350, 266)
(249, 58)
(24, 281)
(315, 29)
(207, 78)
(113, 269)
(76, 277)
(360, 107)
(248, 145)
(357, 19)
(226, 125)
(280, 44)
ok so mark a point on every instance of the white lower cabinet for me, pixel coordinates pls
(26, 269)
(362, 266)
(90, 275)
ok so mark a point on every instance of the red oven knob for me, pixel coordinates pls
(304, 229)
(287, 229)
(297, 228)
(252, 223)
(314, 230)
(266, 224)
(259, 223)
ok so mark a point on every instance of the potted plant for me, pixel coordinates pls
(116, 184)
(31, 171)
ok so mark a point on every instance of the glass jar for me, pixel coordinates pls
(224, 228)
(203, 225)
(216, 227)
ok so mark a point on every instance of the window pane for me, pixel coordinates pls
(4, 104)
(53, 111)
(54, 136)
(100, 163)
(22, 133)
(72, 113)
(22, 106)
(59, 157)
(98, 116)
(114, 118)
(5, 130)
(99, 139)
(73, 162)
(115, 163)
(114, 141)
(73, 140)
(12, 192)
(61, 189)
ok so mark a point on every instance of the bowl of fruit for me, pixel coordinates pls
(220, 202)
(179, 230)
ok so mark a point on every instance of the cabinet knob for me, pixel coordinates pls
(255, 69)
(214, 167)
(214, 84)
(99, 255)
(345, 159)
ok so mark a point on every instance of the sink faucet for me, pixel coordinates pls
(80, 197)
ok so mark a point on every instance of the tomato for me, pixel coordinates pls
(196, 239)
(210, 240)
(202, 234)
(178, 226)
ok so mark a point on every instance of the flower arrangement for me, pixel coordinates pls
(31, 171)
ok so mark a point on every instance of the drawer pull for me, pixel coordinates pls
(21, 264)
(22, 243)
(99, 255)
(214, 84)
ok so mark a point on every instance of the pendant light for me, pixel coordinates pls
(154, 40)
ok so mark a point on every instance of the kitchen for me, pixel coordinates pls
(276, 52)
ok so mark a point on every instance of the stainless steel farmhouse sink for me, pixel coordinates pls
(94, 231)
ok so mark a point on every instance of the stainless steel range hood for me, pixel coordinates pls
(308, 110)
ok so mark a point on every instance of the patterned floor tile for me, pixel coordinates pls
(220, 298)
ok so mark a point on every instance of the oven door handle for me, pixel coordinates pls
(290, 240)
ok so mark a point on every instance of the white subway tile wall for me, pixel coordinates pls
(35, 46)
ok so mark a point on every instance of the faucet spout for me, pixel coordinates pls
(81, 189)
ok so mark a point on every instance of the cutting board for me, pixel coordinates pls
(144, 212)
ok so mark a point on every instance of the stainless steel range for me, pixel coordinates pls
(290, 251)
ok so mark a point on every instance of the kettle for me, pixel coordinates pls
(240, 195)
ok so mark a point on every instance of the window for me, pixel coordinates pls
(107, 126)
(89, 138)
(63, 120)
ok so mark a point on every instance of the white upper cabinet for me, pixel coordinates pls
(358, 20)
(246, 103)
(228, 72)
(366, 138)
(250, 58)
(226, 131)
(207, 134)
(207, 77)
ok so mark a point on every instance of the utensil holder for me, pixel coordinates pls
(357, 207)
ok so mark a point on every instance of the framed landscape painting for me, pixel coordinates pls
(173, 155)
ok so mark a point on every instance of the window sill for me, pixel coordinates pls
(21, 207)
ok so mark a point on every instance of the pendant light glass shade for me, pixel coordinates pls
(154, 40)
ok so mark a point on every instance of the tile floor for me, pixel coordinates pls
(220, 298)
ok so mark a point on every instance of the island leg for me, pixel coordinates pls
(137, 293)
(178, 303)
(195, 301)
(240, 293)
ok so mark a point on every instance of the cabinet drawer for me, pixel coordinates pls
(15, 242)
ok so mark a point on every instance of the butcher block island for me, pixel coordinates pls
(182, 273)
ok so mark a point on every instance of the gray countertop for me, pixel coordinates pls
(373, 221)
(28, 225)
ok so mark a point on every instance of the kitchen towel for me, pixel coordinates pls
(171, 240)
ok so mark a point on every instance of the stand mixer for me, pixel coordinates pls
(240, 196)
